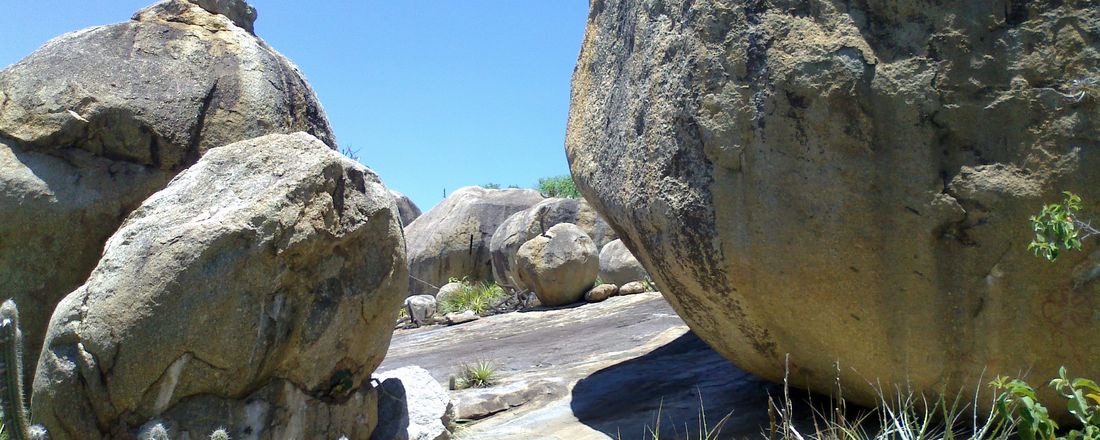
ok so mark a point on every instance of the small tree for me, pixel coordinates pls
(558, 186)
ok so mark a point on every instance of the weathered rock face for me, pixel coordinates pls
(159, 90)
(560, 265)
(409, 210)
(257, 291)
(97, 120)
(849, 181)
(413, 406)
(527, 224)
(56, 211)
(618, 266)
(452, 239)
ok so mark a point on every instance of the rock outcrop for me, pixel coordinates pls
(95, 121)
(560, 265)
(527, 224)
(618, 266)
(850, 182)
(413, 406)
(409, 210)
(257, 292)
(421, 308)
(452, 239)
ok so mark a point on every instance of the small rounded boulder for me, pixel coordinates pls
(560, 265)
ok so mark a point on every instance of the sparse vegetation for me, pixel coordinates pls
(350, 152)
(907, 416)
(1083, 87)
(703, 430)
(558, 186)
(492, 185)
(480, 374)
(480, 297)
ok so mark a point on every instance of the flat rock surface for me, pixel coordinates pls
(593, 371)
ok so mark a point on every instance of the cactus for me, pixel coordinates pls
(155, 432)
(220, 434)
(12, 399)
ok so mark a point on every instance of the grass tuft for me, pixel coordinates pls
(480, 374)
(906, 416)
(479, 297)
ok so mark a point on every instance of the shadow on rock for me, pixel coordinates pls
(675, 383)
(393, 410)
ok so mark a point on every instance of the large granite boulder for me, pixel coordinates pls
(618, 266)
(452, 239)
(257, 292)
(850, 182)
(560, 266)
(97, 120)
(409, 210)
(526, 224)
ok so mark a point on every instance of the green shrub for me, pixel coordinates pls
(558, 186)
(477, 296)
(491, 185)
(1018, 403)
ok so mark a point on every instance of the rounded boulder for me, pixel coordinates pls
(560, 265)
(618, 266)
(263, 281)
(527, 224)
(850, 183)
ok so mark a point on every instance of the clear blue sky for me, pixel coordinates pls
(432, 94)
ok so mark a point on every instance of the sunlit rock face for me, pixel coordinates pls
(850, 183)
(256, 292)
(96, 120)
(452, 239)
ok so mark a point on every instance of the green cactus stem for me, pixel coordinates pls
(11, 367)
(12, 398)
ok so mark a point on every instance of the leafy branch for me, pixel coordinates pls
(1057, 227)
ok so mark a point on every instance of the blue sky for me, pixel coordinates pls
(433, 94)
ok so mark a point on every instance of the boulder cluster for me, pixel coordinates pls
(189, 250)
(559, 249)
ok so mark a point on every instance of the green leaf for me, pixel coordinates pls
(1086, 383)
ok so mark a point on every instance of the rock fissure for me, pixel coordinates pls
(193, 146)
